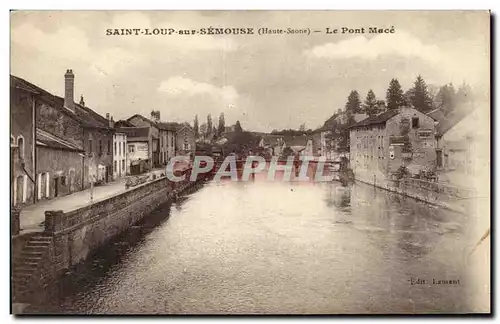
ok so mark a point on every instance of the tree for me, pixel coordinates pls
(214, 132)
(237, 127)
(446, 98)
(209, 125)
(419, 96)
(394, 96)
(353, 104)
(381, 107)
(370, 105)
(155, 115)
(221, 128)
(287, 151)
(196, 127)
(203, 130)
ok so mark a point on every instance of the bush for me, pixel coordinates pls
(402, 173)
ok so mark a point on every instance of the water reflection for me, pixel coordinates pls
(276, 247)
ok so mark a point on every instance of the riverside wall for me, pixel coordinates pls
(79, 232)
(454, 198)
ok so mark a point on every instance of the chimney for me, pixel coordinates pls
(82, 103)
(111, 122)
(107, 116)
(69, 90)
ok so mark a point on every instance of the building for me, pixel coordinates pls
(153, 140)
(72, 142)
(119, 155)
(335, 134)
(462, 152)
(381, 144)
(138, 148)
(186, 140)
(300, 144)
(23, 98)
(168, 141)
(272, 144)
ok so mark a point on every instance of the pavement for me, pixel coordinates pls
(32, 216)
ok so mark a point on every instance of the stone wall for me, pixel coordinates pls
(458, 199)
(78, 232)
(65, 165)
(21, 163)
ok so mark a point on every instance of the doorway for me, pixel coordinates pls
(56, 187)
(19, 190)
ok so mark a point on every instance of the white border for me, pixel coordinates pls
(185, 4)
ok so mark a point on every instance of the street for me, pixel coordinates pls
(32, 216)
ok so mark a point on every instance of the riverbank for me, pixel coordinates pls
(457, 199)
(71, 237)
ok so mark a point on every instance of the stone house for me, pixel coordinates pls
(336, 135)
(153, 140)
(138, 147)
(22, 157)
(462, 152)
(273, 144)
(119, 155)
(72, 142)
(301, 144)
(186, 140)
(381, 144)
(168, 141)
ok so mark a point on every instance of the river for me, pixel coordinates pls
(264, 247)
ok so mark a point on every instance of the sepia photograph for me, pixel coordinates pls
(250, 162)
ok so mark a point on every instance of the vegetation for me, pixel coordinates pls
(221, 128)
(419, 96)
(394, 96)
(237, 127)
(196, 127)
(370, 106)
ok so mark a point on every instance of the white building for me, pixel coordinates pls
(119, 155)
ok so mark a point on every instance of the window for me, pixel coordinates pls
(414, 122)
(90, 145)
(120, 149)
(115, 148)
(100, 146)
(20, 144)
(123, 150)
(116, 167)
(63, 180)
(123, 165)
(424, 134)
(109, 146)
(186, 146)
(131, 149)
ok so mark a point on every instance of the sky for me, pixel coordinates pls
(265, 81)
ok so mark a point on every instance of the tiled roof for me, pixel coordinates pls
(134, 131)
(272, 140)
(123, 123)
(450, 121)
(49, 140)
(85, 116)
(378, 119)
(149, 121)
(169, 126)
(295, 140)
